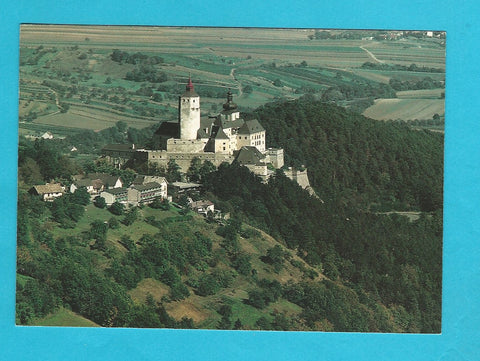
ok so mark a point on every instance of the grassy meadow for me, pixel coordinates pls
(63, 317)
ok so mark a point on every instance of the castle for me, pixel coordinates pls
(225, 137)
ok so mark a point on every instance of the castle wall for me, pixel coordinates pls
(260, 170)
(184, 159)
(185, 146)
(301, 177)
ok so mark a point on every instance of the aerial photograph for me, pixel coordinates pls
(271, 179)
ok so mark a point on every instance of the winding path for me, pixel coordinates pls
(370, 54)
(232, 74)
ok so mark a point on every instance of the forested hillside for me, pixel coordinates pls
(364, 162)
(362, 170)
(342, 261)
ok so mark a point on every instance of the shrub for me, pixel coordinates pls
(100, 202)
(178, 291)
(170, 276)
(207, 285)
(113, 223)
(275, 256)
(242, 264)
(130, 217)
(116, 208)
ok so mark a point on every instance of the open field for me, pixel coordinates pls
(383, 76)
(405, 109)
(421, 94)
(37, 107)
(406, 52)
(94, 119)
(77, 62)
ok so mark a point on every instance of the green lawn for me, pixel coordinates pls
(64, 317)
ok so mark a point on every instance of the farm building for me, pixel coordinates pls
(48, 191)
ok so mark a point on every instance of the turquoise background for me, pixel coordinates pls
(461, 316)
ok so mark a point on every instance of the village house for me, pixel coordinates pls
(144, 179)
(47, 135)
(202, 207)
(48, 192)
(145, 193)
(93, 186)
(95, 182)
(139, 192)
(177, 189)
(113, 195)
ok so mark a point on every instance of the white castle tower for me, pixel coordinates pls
(189, 113)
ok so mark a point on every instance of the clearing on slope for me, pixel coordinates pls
(405, 109)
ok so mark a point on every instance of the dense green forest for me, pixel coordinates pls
(356, 265)
(365, 163)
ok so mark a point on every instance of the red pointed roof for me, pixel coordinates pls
(190, 84)
(189, 92)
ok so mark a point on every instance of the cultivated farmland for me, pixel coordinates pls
(405, 109)
(69, 78)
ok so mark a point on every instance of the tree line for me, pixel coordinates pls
(399, 67)
(425, 83)
(121, 57)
